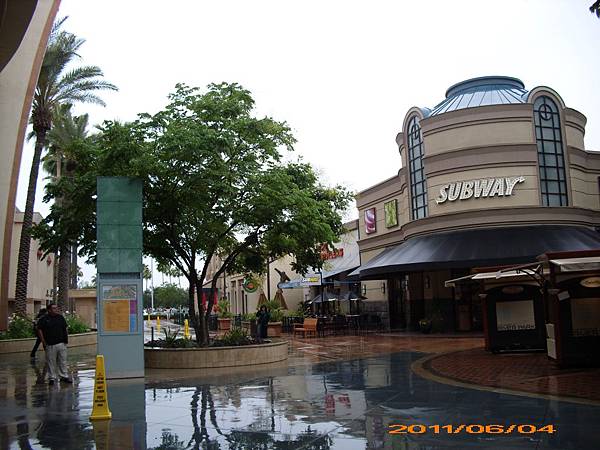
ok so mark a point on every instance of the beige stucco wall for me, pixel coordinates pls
(584, 188)
(40, 272)
(17, 82)
(84, 301)
(478, 127)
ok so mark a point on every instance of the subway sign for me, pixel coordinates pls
(485, 187)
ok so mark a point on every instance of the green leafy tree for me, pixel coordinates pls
(217, 189)
(168, 296)
(67, 130)
(56, 85)
(214, 189)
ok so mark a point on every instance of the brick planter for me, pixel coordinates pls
(212, 357)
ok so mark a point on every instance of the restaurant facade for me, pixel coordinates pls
(493, 176)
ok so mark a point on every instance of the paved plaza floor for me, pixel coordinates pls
(345, 392)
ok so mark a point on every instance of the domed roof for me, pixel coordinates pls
(482, 91)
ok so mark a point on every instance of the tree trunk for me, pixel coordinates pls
(209, 306)
(74, 267)
(64, 266)
(197, 318)
(25, 242)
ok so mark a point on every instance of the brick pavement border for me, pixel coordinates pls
(422, 367)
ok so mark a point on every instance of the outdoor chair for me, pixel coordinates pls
(308, 327)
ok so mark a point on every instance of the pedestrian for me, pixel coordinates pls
(38, 341)
(52, 330)
(262, 319)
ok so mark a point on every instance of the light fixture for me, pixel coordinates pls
(383, 287)
(364, 289)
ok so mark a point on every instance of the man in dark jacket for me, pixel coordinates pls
(52, 330)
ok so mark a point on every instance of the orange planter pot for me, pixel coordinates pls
(224, 324)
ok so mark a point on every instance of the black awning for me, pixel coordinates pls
(479, 247)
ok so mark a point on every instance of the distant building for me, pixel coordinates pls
(41, 270)
(296, 288)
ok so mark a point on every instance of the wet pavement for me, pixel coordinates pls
(342, 398)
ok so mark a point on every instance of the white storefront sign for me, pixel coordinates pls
(486, 187)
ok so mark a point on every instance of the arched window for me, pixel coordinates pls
(548, 135)
(418, 185)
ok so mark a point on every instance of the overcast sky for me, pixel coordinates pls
(342, 73)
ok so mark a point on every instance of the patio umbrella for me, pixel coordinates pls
(280, 299)
(262, 298)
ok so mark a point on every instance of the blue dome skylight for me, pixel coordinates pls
(482, 91)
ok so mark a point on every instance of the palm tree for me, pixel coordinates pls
(595, 8)
(66, 130)
(55, 86)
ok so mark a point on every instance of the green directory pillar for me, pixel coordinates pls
(119, 279)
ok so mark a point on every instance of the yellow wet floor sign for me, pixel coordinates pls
(100, 409)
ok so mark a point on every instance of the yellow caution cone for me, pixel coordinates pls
(100, 409)
(186, 329)
(158, 324)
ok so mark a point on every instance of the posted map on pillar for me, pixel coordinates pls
(119, 308)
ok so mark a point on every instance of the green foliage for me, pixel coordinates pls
(276, 315)
(234, 337)
(214, 185)
(224, 312)
(272, 305)
(170, 337)
(19, 327)
(248, 317)
(75, 325)
(166, 296)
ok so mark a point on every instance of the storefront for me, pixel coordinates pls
(493, 176)
(331, 290)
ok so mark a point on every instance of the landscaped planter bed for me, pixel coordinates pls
(212, 357)
(25, 345)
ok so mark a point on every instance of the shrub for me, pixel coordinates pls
(248, 317)
(75, 325)
(19, 327)
(275, 315)
(234, 337)
(224, 309)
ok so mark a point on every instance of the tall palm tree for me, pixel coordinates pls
(56, 85)
(66, 130)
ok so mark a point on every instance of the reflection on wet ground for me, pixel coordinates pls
(334, 404)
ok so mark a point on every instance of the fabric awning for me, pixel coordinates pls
(577, 264)
(478, 247)
(497, 274)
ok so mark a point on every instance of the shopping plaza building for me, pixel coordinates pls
(492, 177)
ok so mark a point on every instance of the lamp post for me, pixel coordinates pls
(152, 283)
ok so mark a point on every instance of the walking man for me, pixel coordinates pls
(52, 330)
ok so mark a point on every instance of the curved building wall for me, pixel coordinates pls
(17, 83)
(474, 145)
